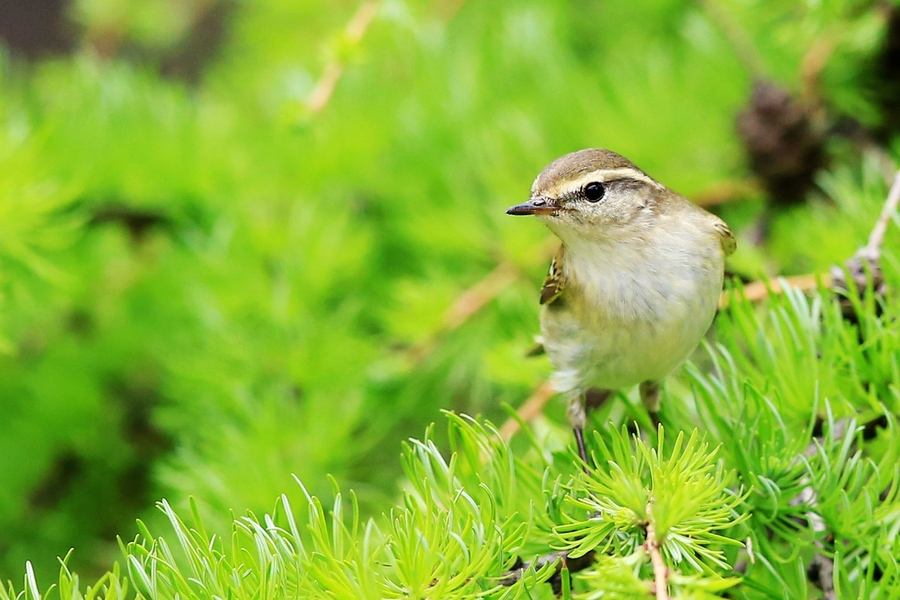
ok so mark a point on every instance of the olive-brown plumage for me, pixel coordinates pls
(635, 283)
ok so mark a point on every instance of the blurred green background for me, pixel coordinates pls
(241, 240)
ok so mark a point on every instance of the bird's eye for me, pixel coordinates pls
(594, 191)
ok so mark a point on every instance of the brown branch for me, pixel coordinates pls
(652, 545)
(814, 62)
(469, 303)
(447, 11)
(475, 298)
(354, 31)
(757, 291)
(529, 410)
(724, 192)
(870, 253)
(876, 238)
(479, 295)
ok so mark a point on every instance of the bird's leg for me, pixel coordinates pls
(595, 398)
(650, 397)
(579, 408)
(577, 418)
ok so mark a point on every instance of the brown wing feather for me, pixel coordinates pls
(726, 237)
(555, 282)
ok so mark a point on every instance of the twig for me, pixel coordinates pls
(479, 295)
(757, 291)
(354, 31)
(814, 62)
(871, 252)
(475, 298)
(660, 573)
(724, 192)
(448, 10)
(529, 410)
(876, 238)
(471, 301)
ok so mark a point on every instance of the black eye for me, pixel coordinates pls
(594, 191)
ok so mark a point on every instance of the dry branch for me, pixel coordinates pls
(479, 295)
(724, 192)
(469, 303)
(652, 545)
(354, 31)
(876, 238)
(757, 291)
(529, 410)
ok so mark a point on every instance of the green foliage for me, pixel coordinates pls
(456, 532)
(680, 491)
(767, 495)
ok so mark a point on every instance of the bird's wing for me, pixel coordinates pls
(555, 282)
(726, 237)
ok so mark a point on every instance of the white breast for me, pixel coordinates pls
(632, 311)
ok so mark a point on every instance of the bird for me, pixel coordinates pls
(634, 285)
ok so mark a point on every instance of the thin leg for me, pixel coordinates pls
(579, 441)
(650, 397)
(577, 418)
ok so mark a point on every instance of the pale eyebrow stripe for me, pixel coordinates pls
(604, 175)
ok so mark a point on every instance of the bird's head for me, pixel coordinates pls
(592, 193)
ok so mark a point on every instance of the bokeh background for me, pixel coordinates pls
(241, 240)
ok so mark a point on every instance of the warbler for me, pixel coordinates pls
(635, 283)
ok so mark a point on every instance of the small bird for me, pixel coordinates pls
(634, 285)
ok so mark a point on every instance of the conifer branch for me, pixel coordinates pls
(652, 545)
(724, 192)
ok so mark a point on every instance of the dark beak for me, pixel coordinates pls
(535, 206)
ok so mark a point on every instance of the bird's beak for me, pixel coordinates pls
(535, 206)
